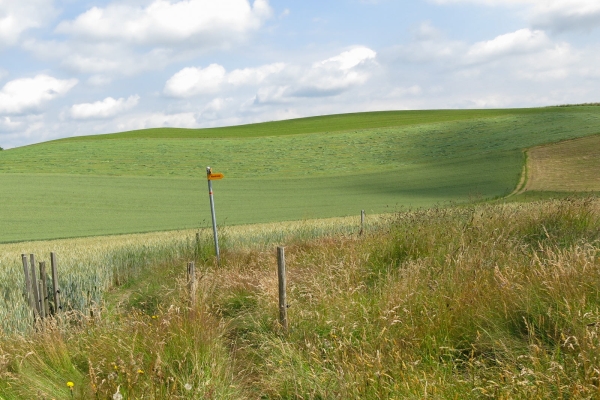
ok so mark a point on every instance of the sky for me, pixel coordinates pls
(82, 67)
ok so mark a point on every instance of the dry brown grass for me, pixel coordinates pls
(572, 165)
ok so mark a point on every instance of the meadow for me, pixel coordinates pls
(446, 295)
(450, 302)
(153, 180)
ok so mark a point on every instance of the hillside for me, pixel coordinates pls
(319, 124)
(317, 167)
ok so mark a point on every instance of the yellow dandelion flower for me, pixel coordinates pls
(70, 385)
(140, 371)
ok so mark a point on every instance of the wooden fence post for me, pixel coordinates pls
(362, 222)
(56, 290)
(34, 285)
(44, 292)
(28, 291)
(283, 320)
(191, 278)
(42, 310)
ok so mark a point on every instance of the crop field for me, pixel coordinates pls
(154, 180)
(572, 165)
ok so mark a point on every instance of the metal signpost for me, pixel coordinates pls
(212, 177)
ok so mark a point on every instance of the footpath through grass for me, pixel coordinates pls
(468, 302)
(308, 168)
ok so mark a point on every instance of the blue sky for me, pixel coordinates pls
(72, 67)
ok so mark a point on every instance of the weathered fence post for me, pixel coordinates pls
(55, 289)
(362, 222)
(34, 285)
(44, 292)
(28, 291)
(42, 310)
(191, 279)
(282, 287)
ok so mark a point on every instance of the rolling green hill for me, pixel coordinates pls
(325, 123)
(306, 168)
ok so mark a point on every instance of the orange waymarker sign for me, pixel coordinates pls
(213, 177)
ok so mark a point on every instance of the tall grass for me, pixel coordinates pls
(448, 303)
(89, 267)
(499, 301)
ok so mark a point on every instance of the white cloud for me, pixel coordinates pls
(207, 22)
(555, 15)
(215, 105)
(254, 76)
(523, 68)
(552, 65)
(278, 81)
(106, 108)
(124, 39)
(103, 59)
(217, 109)
(451, 54)
(533, 57)
(348, 59)
(29, 128)
(192, 81)
(272, 95)
(522, 41)
(8, 125)
(18, 16)
(336, 74)
(565, 15)
(28, 94)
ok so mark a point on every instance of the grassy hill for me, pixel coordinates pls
(325, 123)
(316, 167)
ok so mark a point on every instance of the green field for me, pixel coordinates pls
(316, 167)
